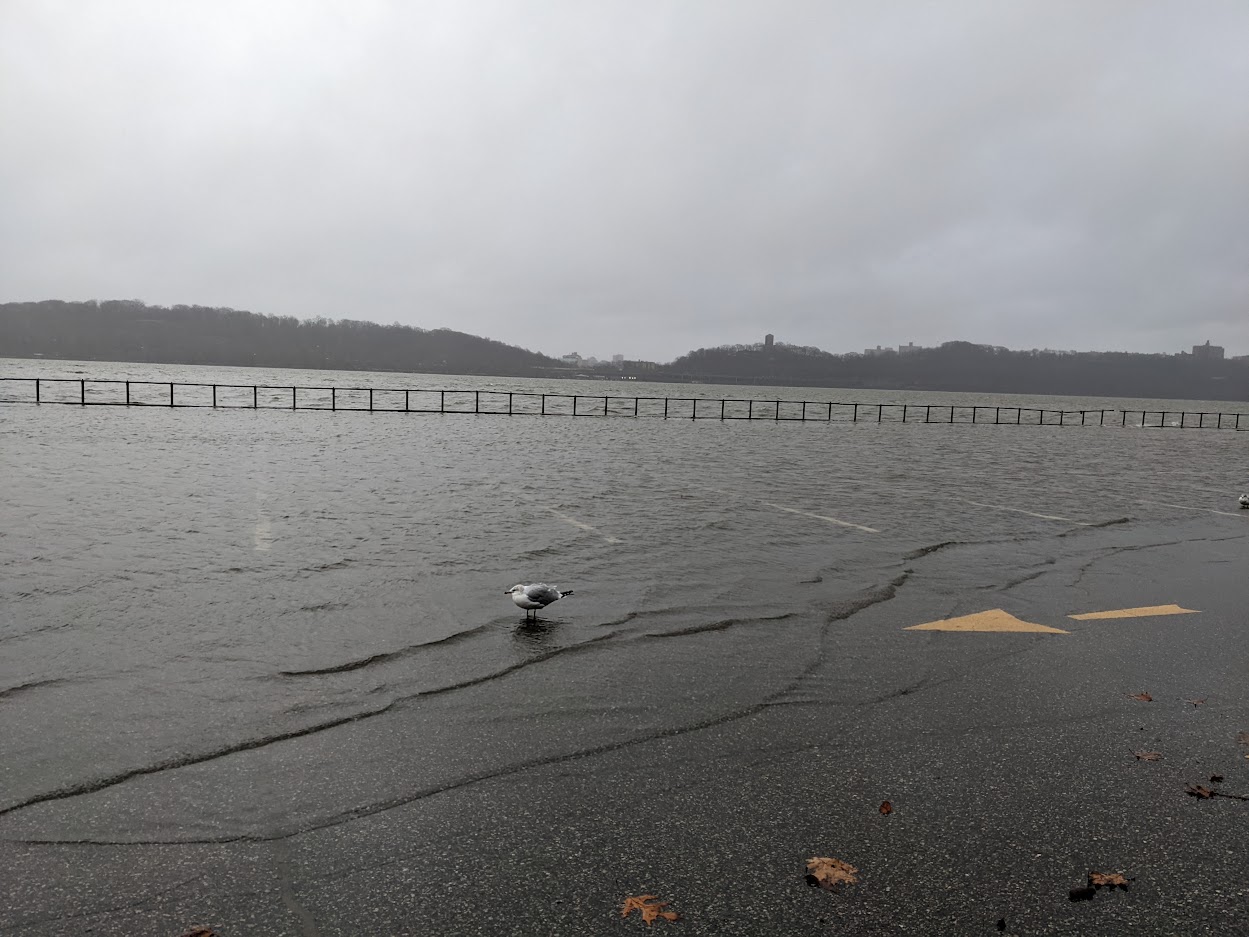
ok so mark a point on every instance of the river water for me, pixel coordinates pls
(188, 595)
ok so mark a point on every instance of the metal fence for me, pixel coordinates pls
(97, 392)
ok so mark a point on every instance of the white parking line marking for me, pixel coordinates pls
(262, 536)
(1185, 507)
(820, 517)
(1048, 517)
(583, 526)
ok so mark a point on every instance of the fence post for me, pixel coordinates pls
(509, 403)
(543, 411)
(604, 406)
(721, 410)
(171, 393)
(973, 413)
(830, 411)
(37, 400)
(905, 407)
(442, 401)
(951, 414)
(82, 392)
(855, 416)
(1219, 425)
(997, 415)
(295, 398)
(1081, 417)
(255, 403)
(1183, 414)
(927, 412)
(128, 393)
(693, 408)
(477, 401)
(750, 409)
(1124, 421)
(635, 406)
(574, 404)
(665, 408)
(1018, 415)
(334, 398)
(778, 410)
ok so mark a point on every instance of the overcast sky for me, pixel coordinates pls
(642, 177)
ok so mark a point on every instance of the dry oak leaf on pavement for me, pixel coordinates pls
(886, 808)
(828, 873)
(1148, 756)
(651, 908)
(200, 932)
(1142, 697)
(1107, 880)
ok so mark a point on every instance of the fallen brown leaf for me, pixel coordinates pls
(651, 908)
(886, 808)
(1242, 738)
(1197, 702)
(1148, 756)
(1142, 696)
(828, 873)
(200, 932)
(1196, 790)
(1107, 880)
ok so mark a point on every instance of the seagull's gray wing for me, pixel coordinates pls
(541, 592)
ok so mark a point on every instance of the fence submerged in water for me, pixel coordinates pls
(173, 394)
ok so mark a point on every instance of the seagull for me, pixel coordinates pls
(534, 596)
(1244, 501)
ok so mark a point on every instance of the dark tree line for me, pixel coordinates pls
(129, 330)
(963, 366)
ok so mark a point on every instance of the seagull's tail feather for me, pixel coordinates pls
(562, 594)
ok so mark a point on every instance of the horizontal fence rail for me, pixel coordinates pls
(98, 392)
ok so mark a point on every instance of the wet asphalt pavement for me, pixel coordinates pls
(1008, 760)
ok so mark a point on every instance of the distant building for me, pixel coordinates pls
(909, 348)
(1208, 351)
(767, 340)
(572, 358)
(878, 350)
(617, 360)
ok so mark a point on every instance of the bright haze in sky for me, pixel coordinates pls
(642, 177)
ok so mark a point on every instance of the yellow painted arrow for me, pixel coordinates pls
(1143, 612)
(993, 620)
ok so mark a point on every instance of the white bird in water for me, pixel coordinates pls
(534, 596)
(1244, 501)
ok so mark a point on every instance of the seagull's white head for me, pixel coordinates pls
(519, 587)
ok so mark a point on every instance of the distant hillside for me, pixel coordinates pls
(128, 330)
(963, 366)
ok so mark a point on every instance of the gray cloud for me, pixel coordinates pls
(642, 177)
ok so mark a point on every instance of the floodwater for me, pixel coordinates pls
(189, 597)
